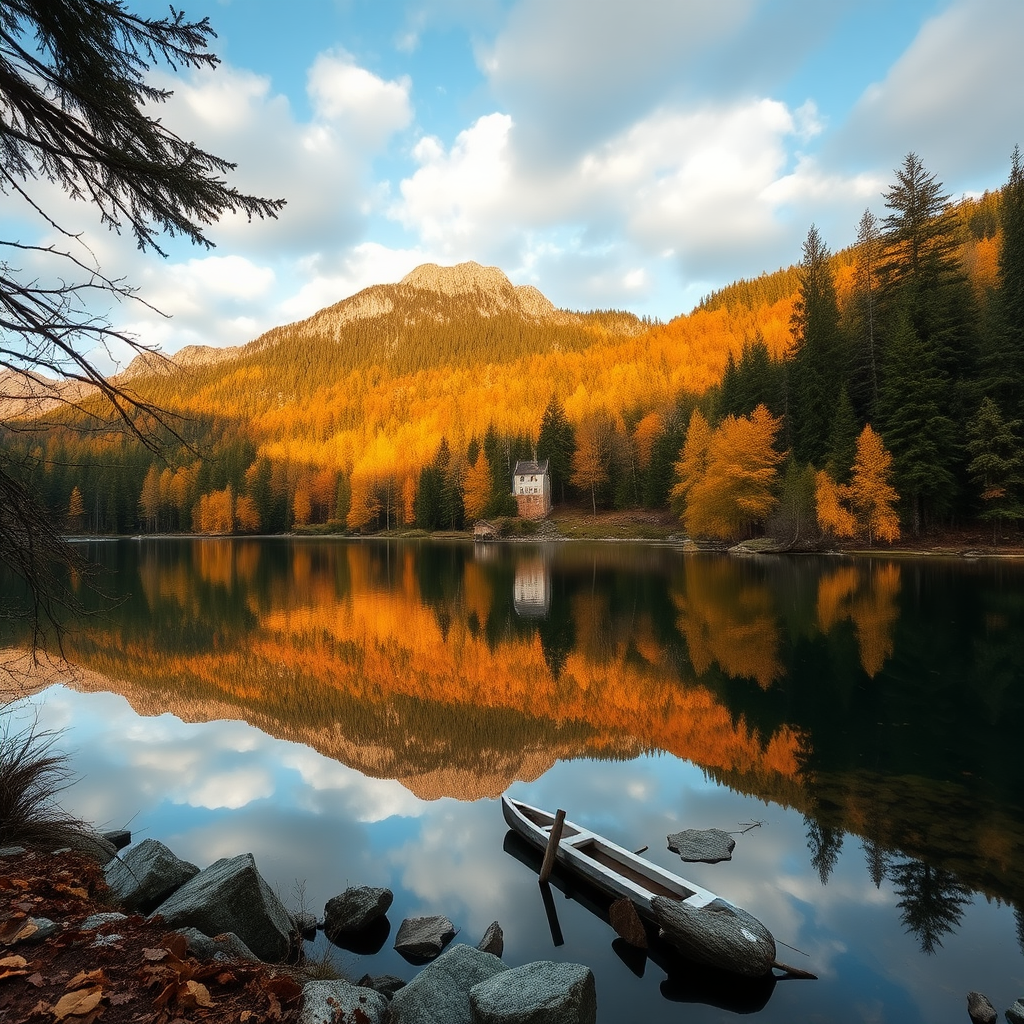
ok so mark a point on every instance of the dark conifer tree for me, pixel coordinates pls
(1003, 365)
(842, 440)
(916, 427)
(818, 369)
(862, 314)
(556, 443)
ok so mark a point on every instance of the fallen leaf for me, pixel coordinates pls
(194, 993)
(71, 890)
(284, 988)
(166, 995)
(245, 1015)
(35, 980)
(120, 998)
(154, 954)
(83, 978)
(226, 978)
(78, 1003)
(11, 974)
(13, 961)
(177, 944)
(17, 930)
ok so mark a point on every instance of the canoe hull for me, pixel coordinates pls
(702, 926)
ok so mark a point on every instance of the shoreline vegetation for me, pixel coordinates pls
(639, 527)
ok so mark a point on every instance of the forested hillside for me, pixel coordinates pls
(866, 392)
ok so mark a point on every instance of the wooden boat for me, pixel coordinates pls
(700, 924)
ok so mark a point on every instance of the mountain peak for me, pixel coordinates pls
(461, 279)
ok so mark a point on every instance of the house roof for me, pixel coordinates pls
(530, 468)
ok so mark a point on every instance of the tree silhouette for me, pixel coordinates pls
(825, 843)
(932, 901)
(75, 91)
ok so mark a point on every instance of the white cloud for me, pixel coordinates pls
(366, 108)
(330, 277)
(456, 200)
(950, 97)
(575, 71)
(709, 189)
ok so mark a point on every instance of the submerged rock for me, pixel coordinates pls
(709, 845)
(717, 934)
(622, 916)
(980, 1009)
(493, 940)
(423, 938)
(355, 910)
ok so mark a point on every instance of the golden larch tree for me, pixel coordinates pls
(871, 492)
(365, 505)
(590, 460)
(247, 515)
(737, 488)
(831, 501)
(646, 434)
(693, 459)
(476, 488)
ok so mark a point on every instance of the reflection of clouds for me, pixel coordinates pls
(231, 789)
(332, 787)
(220, 788)
(455, 866)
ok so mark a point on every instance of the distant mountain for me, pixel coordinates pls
(435, 315)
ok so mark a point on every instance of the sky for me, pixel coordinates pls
(627, 154)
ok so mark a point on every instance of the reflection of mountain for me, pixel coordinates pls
(818, 684)
(412, 669)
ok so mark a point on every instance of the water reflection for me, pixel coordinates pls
(873, 699)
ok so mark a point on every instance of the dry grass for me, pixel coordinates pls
(32, 774)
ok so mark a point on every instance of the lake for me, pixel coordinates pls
(350, 712)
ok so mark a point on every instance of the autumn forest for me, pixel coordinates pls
(868, 393)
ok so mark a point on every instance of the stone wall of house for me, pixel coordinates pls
(531, 506)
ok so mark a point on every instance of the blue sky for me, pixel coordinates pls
(615, 154)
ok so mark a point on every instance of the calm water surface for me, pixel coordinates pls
(351, 711)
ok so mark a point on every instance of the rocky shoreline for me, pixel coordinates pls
(195, 932)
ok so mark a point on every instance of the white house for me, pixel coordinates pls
(531, 487)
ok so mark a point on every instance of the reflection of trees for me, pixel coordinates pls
(1018, 916)
(932, 900)
(825, 842)
(878, 860)
(872, 609)
(730, 621)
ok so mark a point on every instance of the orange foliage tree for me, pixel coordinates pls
(476, 487)
(247, 515)
(873, 496)
(693, 460)
(590, 461)
(831, 500)
(868, 503)
(737, 487)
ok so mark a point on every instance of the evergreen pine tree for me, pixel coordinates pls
(556, 443)
(818, 367)
(916, 427)
(863, 320)
(1003, 361)
(997, 464)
